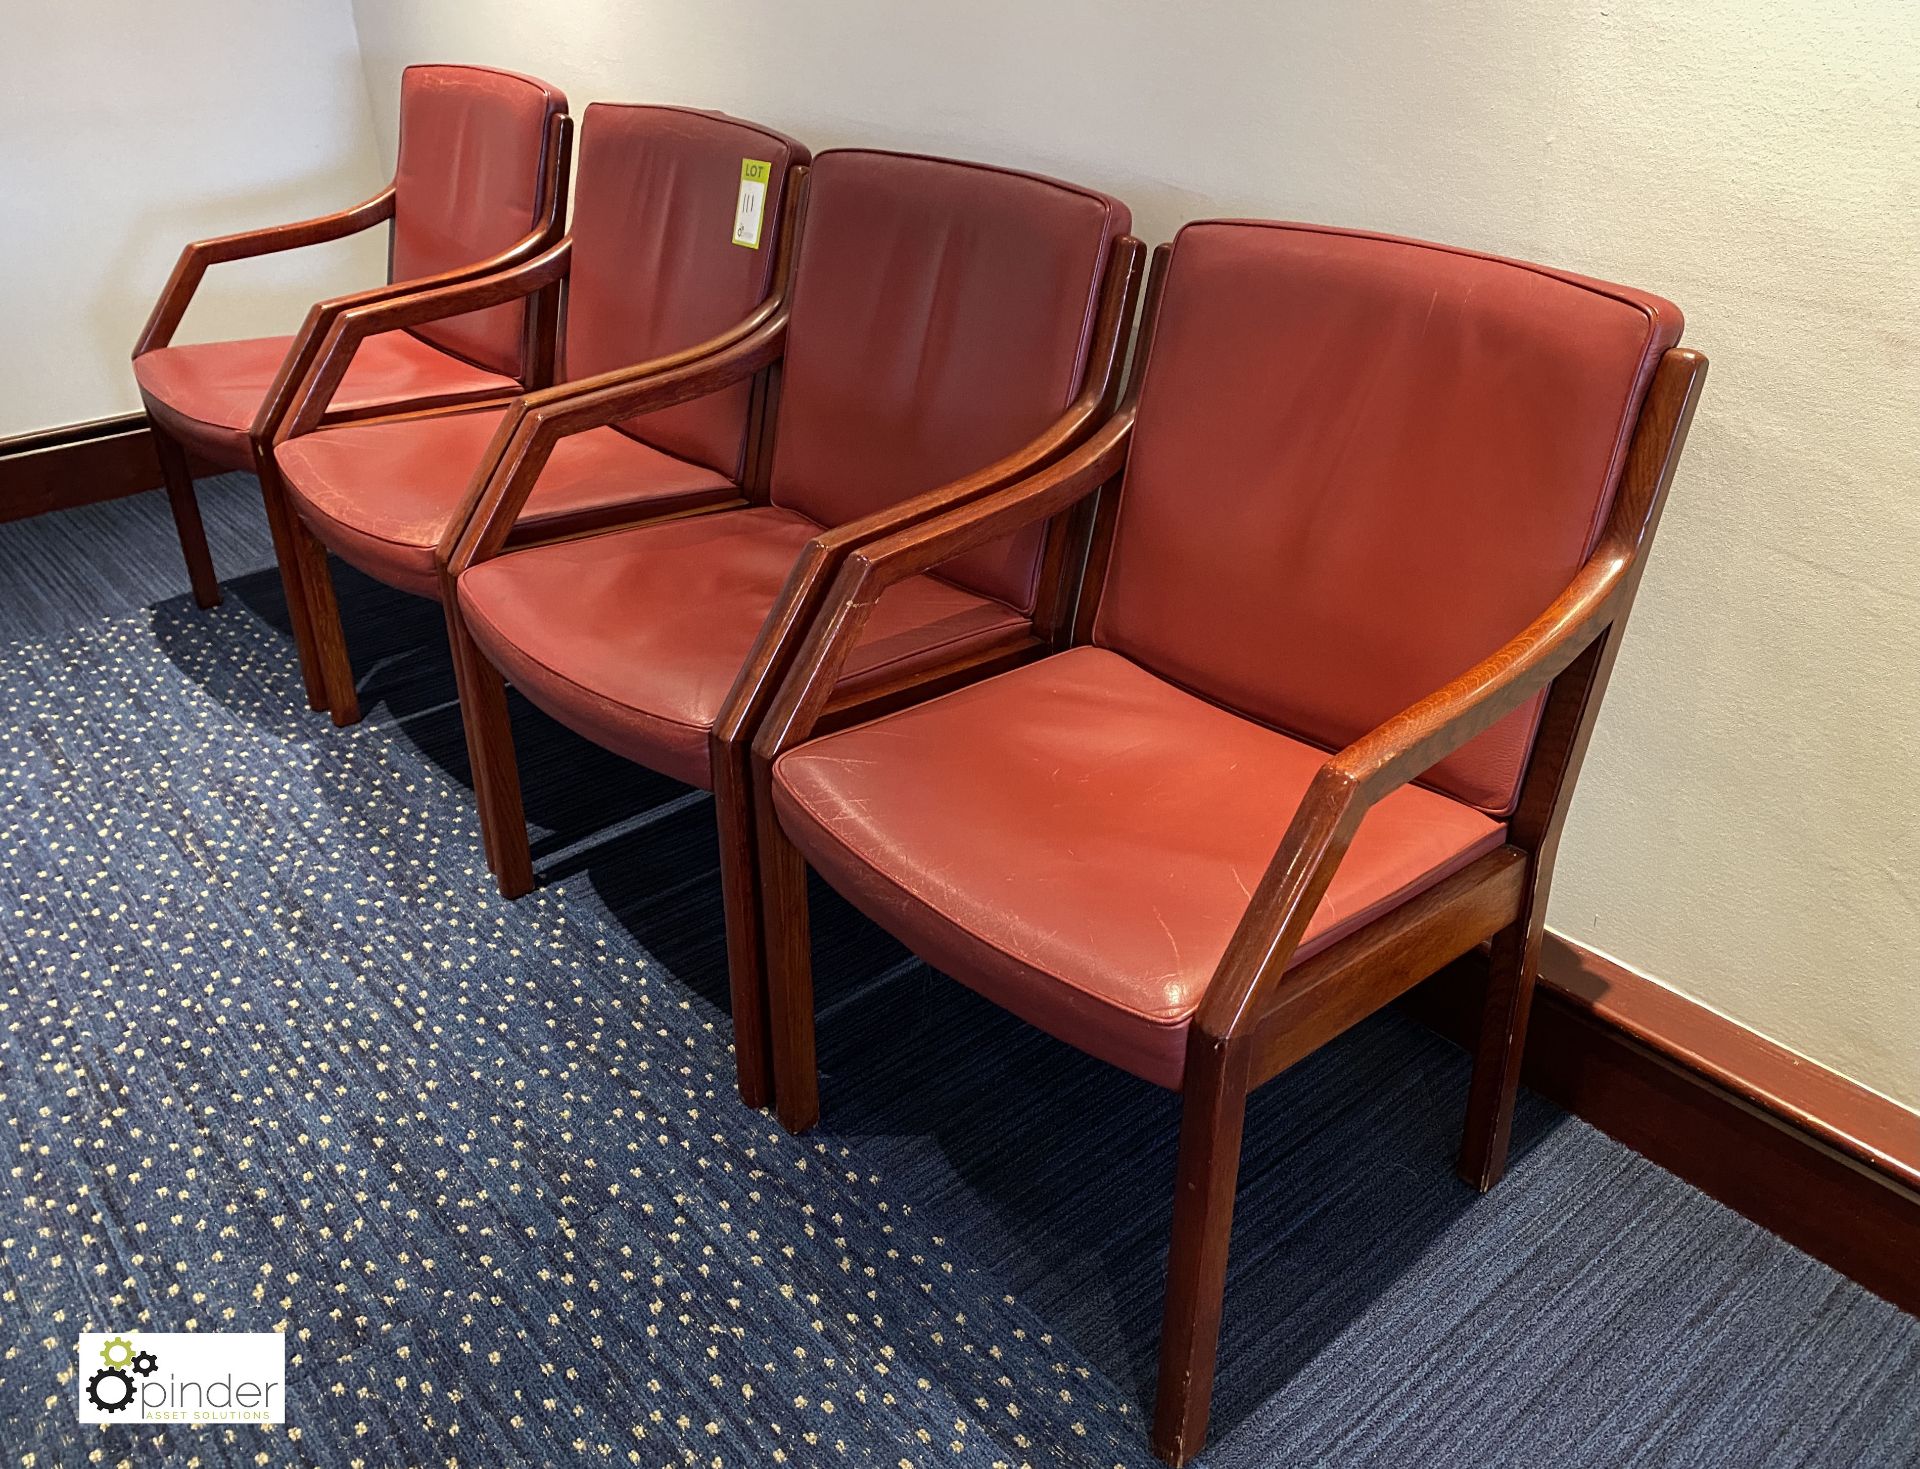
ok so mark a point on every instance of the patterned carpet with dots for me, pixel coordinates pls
(275, 1056)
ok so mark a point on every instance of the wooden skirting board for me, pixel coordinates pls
(56, 469)
(1825, 1164)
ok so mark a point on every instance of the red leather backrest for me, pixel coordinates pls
(941, 316)
(467, 185)
(1361, 465)
(655, 269)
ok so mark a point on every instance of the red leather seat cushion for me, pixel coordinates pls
(1363, 464)
(206, 394)
(634, 638)
(467, 186)
(381, 495)
(1078, 839)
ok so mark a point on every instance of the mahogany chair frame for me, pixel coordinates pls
(542, 278)
(550, 215)
(523, 445)
(1258, 1017)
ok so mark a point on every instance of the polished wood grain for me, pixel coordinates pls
(178, 477)
(195, 258)
(1257, 1014)
(1320, 997)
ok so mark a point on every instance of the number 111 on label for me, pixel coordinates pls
(750, 212)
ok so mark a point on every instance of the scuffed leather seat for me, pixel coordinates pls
(1072, 838)
(1078, 839)
(381, 495)
(657, 621)
(206, 394)
(469, 183)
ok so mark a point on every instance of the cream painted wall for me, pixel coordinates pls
(130, 129)
(1748, 829)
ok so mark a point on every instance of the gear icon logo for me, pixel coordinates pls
(110, 1390)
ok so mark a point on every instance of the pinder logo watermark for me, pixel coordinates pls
(183, 1377)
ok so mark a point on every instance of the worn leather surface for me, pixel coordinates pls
(654, 266)
(206, 394)
(466, 186)
(1078, 839)
(635, 637)
(941, 318)
(1361, 465)
(381, 495)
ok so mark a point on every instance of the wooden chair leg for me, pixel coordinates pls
(1496, 1062)
(280, 518)
(789, 958)
(496, 769)
(1212, 1118)
(746, 947)
(329, 638)
(178, 476)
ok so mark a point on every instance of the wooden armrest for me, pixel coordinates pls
(808, 584)
(306, 402)
(1393, 753)
(537, 423)
(1422, 735)
(195, 258)
(719, 362)
(532, 427)
(594, 402)
(1093, 406)
(321, 317)
(869, 569)
(1401, 748)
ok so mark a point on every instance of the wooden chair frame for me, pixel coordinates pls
(543, 278)
(550, 213)
(527, 439)
(1258, 1017)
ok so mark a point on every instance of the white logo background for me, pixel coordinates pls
(197, 1377)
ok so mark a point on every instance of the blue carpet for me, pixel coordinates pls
(273, 1056)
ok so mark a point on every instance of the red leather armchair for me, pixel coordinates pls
(480, 184)
(950, 327)
(654, 276)
(1377, 512)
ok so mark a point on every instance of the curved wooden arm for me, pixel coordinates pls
(868, 571)
(195, 259)
(528, 434)
(1352, 781)
(536, 424)
(298, 362)
(1386, 758)
(807, 585)
(306, 402)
